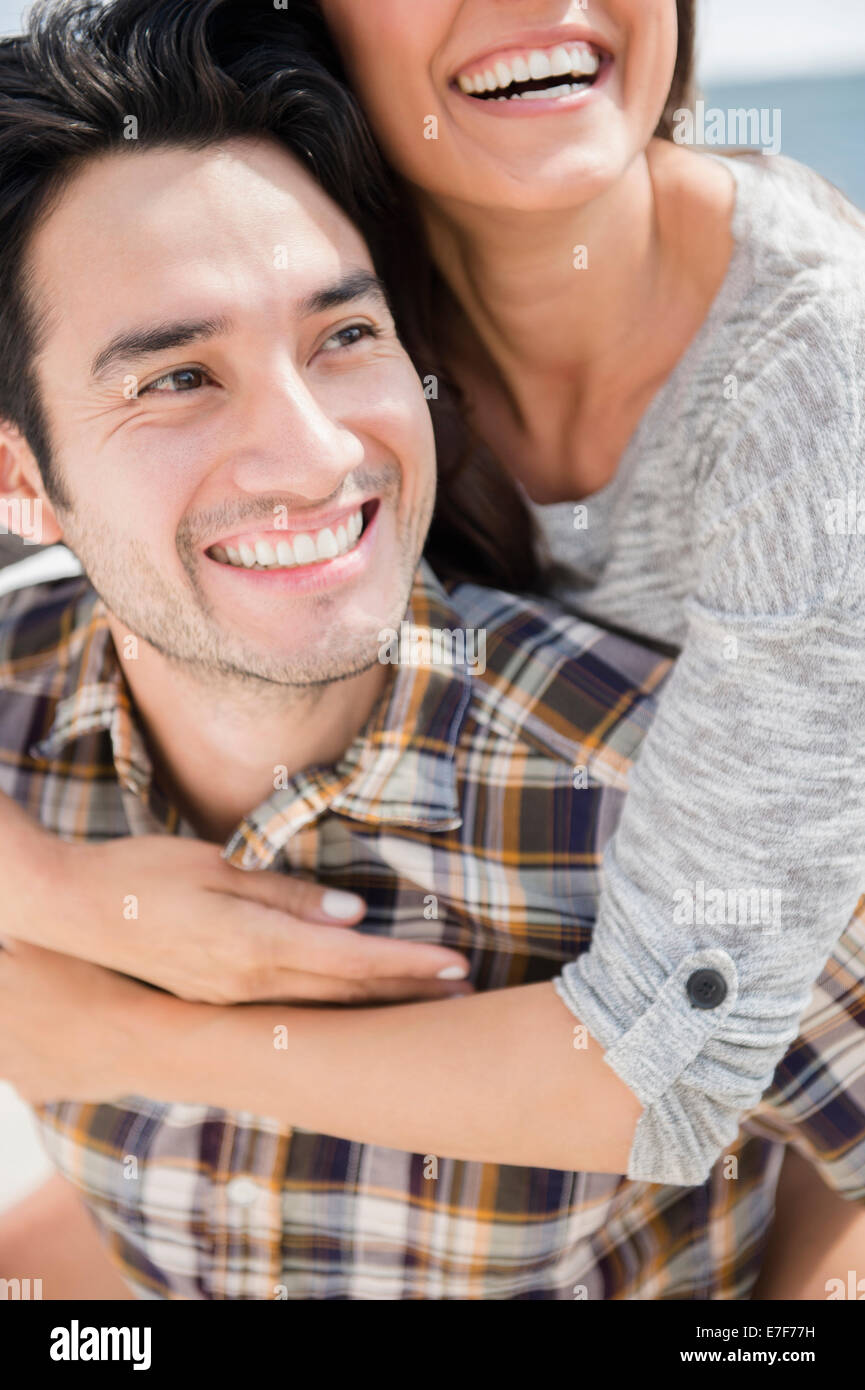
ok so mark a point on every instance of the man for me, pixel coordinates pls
(237, 447)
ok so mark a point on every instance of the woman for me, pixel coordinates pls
(675, 341)
(664, 350)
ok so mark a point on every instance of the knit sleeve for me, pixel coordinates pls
(740, 854)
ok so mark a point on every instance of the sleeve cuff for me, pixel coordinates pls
(695, 1069)
(667, 1037)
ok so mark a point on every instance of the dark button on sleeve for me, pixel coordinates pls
(706, 989)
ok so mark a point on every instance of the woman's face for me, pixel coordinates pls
(524, 104)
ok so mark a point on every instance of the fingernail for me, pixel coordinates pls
(341, 905)
(453, 972)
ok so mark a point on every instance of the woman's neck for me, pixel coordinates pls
(519, 275)
(581, 313)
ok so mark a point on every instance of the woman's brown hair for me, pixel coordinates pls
(682, 90)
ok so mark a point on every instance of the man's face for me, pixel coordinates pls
(267, 412)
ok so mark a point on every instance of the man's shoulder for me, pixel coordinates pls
(37, 623)
(572, 689)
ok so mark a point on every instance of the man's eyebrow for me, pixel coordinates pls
(135, 343)
(357, 284)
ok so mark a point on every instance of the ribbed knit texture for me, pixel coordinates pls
(731, 531)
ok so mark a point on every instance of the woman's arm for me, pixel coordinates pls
(501, 1077)
(743, 831)
(495, 1078)
(202, 929)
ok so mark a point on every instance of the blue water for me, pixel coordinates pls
(822, 122)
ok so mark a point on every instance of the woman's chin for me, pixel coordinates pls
(566, 179)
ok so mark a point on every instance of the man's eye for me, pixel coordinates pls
(348, 337)
(183, 379)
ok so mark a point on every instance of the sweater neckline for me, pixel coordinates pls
(736, 278)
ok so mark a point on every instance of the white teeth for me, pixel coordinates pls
(579, 61)
(584, 61)
(539, 65)
(302, 549)
(326, 545)
(548, 93)
(560, 61)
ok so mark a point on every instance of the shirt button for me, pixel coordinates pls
(241, 1191)
(707, 989)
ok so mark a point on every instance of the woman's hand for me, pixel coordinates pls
(172, 912)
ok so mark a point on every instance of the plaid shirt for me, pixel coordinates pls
(455, 814)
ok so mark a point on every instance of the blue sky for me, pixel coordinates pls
(739, 38)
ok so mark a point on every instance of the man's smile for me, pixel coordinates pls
(288, 547)
(302, 560)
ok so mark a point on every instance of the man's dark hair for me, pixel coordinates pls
(192, 73)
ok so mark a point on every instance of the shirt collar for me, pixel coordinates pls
(92, 695)
(400, 770)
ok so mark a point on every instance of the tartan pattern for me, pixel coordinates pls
(459, 792)
(817, 1098)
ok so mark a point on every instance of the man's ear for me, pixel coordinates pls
(24, 506)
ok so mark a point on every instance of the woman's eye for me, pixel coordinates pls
(183, 379)
(348, 337)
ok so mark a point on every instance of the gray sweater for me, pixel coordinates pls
(734, 530)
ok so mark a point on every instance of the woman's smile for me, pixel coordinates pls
(511, 76)
(539, 96)
(538, 73)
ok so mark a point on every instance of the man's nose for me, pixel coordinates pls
(289, 441)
